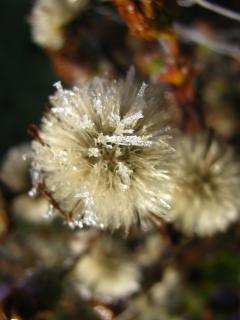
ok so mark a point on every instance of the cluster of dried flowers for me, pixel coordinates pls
(106, 156)
(129, 162)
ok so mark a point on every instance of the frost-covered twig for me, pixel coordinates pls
(211, 6)
(190, 34)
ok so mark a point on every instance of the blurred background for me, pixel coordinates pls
(26, 74)
(182, 277)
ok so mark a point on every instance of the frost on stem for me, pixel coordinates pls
(105, 155)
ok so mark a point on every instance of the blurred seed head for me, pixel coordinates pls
(207, 198)
(107, 272)
(48, 19)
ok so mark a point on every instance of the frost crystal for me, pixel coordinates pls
(105, 155)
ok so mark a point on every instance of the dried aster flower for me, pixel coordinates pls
(207, 198)
(48, 19)
(107, 272)
(104, 154)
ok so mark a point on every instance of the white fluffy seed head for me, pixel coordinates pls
(207, 198)
(105, 155)
(107, 272)
(49, 17)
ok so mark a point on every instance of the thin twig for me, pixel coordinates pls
(211, 6)
(190, 34)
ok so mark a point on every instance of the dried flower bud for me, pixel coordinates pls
(104, 156)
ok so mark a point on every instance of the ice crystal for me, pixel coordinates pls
(105, 155)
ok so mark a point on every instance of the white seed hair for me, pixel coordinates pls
(106, 155)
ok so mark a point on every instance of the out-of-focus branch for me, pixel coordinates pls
(191, 34)
(211, 6)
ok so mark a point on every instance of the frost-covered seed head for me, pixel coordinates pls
(105, 155)
(207, 198)
(48, 19)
